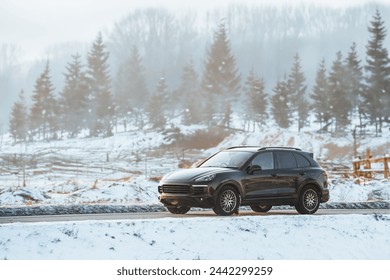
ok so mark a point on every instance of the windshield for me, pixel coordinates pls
(230, 159)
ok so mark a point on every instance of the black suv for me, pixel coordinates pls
(254, 176)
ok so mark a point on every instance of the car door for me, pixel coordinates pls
(287, 173)
(261, 183)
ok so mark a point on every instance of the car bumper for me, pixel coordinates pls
(169, 200)
(325, 195)
(186, 195)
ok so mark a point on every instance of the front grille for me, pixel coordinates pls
(177, 189)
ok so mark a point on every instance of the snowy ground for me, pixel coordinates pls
(255, 237)
(124, 170)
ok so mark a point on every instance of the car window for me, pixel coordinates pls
(264, 160)
(302, 161)
(233, 159)
(286, 159)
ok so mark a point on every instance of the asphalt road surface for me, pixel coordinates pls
(161, 215)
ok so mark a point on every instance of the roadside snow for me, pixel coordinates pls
(258, 237)
(343, 190)
(137, 190)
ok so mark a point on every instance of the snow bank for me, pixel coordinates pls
(286, 237)
(343, 190)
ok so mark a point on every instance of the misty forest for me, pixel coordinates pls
(287, 66)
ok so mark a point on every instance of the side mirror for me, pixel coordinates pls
(253, 169)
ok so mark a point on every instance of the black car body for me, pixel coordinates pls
(254, 176)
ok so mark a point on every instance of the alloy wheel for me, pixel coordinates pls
(310, 199)
(228, 200)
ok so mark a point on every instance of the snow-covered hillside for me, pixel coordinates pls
(124, 170)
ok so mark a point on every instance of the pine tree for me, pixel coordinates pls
(73, 98)
(355, 82)
(187, 95)
(377, 96)
(18, 120)
(101, 107)
(280, 105)
(321, 98)
(131, 93)
(43, 117)
(256, 101)
(297, 92)
(220, 81)
(156, 109)
(340, 105)
(249, 91)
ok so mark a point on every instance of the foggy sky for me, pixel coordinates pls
(34, 25)
(40, 29)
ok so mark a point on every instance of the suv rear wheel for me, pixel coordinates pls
(178, 210)
(309, 201)
(226, 202)
(261, 208)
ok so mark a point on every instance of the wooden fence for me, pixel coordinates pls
(364, 168)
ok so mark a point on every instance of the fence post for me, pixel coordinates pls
(356, 167)
(368, 163)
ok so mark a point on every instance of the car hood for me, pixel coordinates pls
(188, 175)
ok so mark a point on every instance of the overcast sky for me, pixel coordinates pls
(33, 25)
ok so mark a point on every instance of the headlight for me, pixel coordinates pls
(206, 178)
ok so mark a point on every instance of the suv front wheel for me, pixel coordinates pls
(309, 201)
(226, 202)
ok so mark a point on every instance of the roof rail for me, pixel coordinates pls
(242, 146)
(285, 148)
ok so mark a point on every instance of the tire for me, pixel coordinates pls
(309, 201)
(226, 202)
(178, 210)
(261, 208)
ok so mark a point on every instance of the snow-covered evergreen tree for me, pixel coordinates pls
(131, 92)
(281, 105)
(43, 115)
(187, 95)
(297, 92)
(255, 99)
(340, 105)
(73, 98)
(18, 120)
(156, 108)
(221, 80)
(377, 95)
(355, 82)
(321, 97)
(101, 107)
(130, 86)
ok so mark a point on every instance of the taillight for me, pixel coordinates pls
(325, 175)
